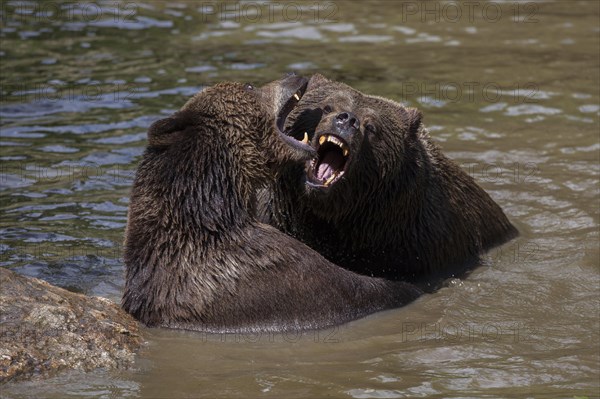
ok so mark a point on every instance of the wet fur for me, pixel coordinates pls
(197, 258)
(403, 211)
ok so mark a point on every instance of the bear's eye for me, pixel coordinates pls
(327, 109)
(370, 128)
(248, 87)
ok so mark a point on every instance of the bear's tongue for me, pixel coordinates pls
(331, 163)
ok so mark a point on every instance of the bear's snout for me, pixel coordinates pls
(346, 125)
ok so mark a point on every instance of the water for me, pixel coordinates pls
(509, 90)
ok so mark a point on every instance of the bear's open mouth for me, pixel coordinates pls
(298, 89)
(289, 105)
(333, 154)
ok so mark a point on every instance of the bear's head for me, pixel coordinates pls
(363, 142)
(235, 126)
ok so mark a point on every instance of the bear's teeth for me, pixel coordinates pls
(297, 97)
(331, 179)
(334, 140)
(305, 139)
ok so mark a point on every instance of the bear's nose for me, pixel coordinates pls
(347, 120)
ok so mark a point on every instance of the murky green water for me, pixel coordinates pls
(510, 90)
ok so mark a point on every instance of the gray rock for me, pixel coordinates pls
(44, 329)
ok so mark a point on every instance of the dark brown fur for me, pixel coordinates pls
(196, 256)
(402, 211)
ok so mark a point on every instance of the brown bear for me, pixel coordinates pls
(380, 198)
(197, 258)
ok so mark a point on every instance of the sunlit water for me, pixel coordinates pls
(509, 90)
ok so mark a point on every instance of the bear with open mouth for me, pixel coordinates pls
(197, 257)
(380, 198)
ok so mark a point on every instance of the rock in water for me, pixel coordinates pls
(44, 329)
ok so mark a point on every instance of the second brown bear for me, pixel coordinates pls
(380, 198)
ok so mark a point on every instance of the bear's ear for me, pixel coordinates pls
(413, 119)
(165, 132)
(317, 80)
